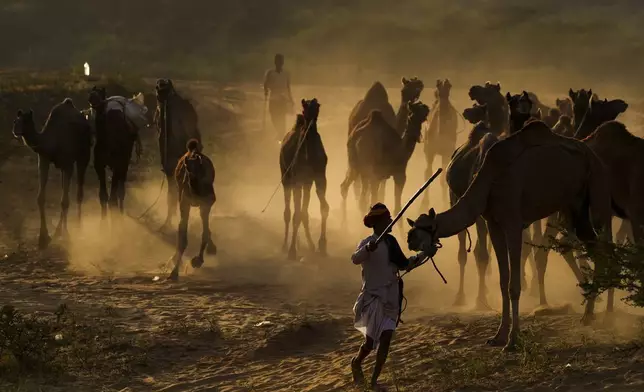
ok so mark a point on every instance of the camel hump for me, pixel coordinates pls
(68, 101)
(615, 131)
(377, 93)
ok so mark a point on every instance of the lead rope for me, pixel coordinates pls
(400, 281)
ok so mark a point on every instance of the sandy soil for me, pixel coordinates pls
(250, 320)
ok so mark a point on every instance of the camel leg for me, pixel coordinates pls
(515, 244)
(462, 261)
(501, 250)
(624, 232)
(525, 253)
(182, 237)
(357, 189)
(81, 168)
(306, 200)
(349, 179)
(364, 193)
(424, 203)
(43, 176)
(320, 190)
(482, 257)
(172, 200)
(204, 213)
(399, 184)
(538, 239)
(61, 227)
(382, 190)
(287, 215)
(445, 159)
(121, 191)
(102, 191)
(297, 218)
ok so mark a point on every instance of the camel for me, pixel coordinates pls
(580, 103)
(597, 113)
(65, 141)
(565, 106)
(177, 122)
(460, 172)
(195, 178)
(440, 138)
(115, 139)
(521, 181)
(303, 162)
(496, 106)
(376, 152)
(377, 98)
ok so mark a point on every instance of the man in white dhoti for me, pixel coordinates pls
(377, 309)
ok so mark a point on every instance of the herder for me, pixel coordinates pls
(278, 82)
(377, 309)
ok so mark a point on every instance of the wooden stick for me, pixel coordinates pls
(409, 203)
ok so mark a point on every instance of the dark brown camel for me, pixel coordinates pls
(195, 178)
(177, 122)
(580, 103)
(521, 181)
(598, 112)
(440, 138)
(496, 106)
(376, 98)
(115, 139)
(65, 141)
(376, 152)
(303, 162)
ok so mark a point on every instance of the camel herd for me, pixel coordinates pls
(523, 164)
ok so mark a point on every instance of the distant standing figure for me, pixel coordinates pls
(278, 82)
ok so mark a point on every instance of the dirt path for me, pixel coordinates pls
(249, 320)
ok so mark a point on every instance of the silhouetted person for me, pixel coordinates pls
(278, 82)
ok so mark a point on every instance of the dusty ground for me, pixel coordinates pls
(126, 331)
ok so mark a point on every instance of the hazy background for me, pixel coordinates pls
(542, 42)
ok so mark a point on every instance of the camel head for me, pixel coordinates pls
(97, 96)
(476, 113)
(607, 110)
(580, 102)
(565, 106)
(22, 122)
(310, 110)
(194, 161)
(422, 235)
(520, 109)
(164, 89)
(443, 88)
(564, 126)
(411, 89)
(489, 93)
(418, 113)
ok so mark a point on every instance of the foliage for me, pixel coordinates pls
(619, 265)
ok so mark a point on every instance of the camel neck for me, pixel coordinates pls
(32, 138)
(468, 208)
(401, 116)
(410, 139)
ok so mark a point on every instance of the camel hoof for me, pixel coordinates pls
(496, 341)
(174, 276)
(211, 249)
(587, 319)
(460, 300)
(196, 262)
(43, 241)
(510, 347)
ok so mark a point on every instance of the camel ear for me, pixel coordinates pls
(571, 94)
(304, 103)
(538, 115)
(498, 86)
(404, 80)
(508, 97)
(590, 92)
(19, 113)
(438, 83)
(410, 223)
(432, 213)
(525, 94)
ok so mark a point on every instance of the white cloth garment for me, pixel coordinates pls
(377, 306)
